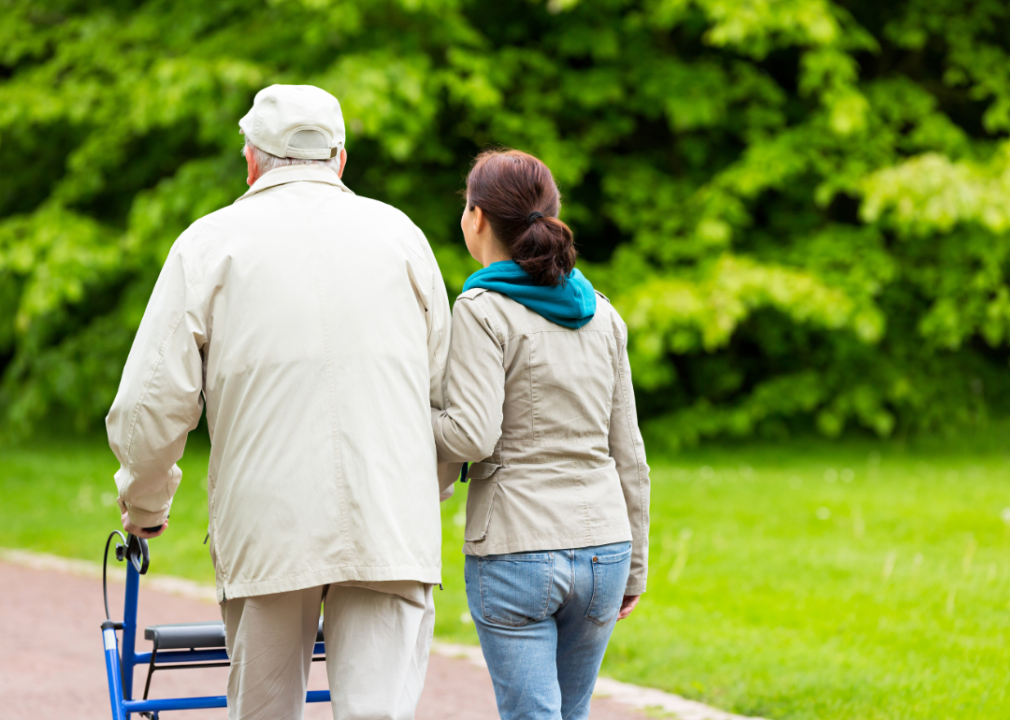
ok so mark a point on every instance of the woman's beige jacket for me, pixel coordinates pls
(551, 413)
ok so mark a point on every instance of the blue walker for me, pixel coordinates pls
(174, 647)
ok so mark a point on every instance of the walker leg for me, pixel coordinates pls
(112, 669)
(129, 630)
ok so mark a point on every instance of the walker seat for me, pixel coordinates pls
(196, 635)
(175, 646)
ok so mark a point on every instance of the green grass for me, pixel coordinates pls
(805, 580)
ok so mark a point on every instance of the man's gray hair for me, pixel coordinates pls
(267, 162)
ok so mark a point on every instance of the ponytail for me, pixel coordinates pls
(520, 200)
(545, 250)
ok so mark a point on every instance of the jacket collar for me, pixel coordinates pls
(295, 173)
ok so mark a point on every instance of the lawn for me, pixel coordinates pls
(801, 580)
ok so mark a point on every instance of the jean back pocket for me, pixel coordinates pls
(610, 578)
(515, 590)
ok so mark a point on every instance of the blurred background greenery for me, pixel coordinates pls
(801, 207)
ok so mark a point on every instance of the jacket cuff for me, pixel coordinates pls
(448, 474)
(143, 519)
(636, 586)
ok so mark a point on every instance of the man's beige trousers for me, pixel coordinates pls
(377, 647)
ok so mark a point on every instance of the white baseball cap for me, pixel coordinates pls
(295, 121)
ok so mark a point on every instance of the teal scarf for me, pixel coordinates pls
(571, 304)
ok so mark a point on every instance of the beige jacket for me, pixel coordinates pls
(550, 412)
(315, 325)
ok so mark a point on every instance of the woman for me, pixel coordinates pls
(539, 391)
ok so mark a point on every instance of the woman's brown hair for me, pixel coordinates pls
(520, 200)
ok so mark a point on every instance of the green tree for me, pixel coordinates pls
(801, 207)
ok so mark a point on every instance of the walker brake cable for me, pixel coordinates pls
(120, 555)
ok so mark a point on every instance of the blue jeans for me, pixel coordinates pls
(544, 620)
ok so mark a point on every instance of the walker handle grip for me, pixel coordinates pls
(138, 554)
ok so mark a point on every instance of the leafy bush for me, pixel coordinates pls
(802, 208)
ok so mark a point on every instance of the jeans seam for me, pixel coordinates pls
(571, 585)
(596, 585)
(550, 586)
(480, 578)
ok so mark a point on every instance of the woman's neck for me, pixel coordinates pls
(495, 255)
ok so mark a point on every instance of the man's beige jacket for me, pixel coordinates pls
(315, 325)
(552, 413)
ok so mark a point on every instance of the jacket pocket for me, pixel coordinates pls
(610, 578)
(479, 504)
(515, 590)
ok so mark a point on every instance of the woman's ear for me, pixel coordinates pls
(479, 221)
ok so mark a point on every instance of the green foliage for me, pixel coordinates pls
(800, 206)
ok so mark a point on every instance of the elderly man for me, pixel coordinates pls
(314, 324)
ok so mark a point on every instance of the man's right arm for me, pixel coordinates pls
(159, 399)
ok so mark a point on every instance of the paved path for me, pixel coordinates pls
(51, 656)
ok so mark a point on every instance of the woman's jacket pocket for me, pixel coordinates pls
(515, 590)
(610, 578)
(479, 501)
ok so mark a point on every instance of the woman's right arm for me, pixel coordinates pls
(469, 427)
(628, 451)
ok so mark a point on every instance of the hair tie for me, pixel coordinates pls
(531, 218)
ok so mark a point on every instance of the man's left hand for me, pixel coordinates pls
(141, 532)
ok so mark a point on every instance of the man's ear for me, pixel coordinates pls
(254, 170)
(343, 162)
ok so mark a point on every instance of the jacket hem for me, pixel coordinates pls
(480, 548)
(426, 575)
